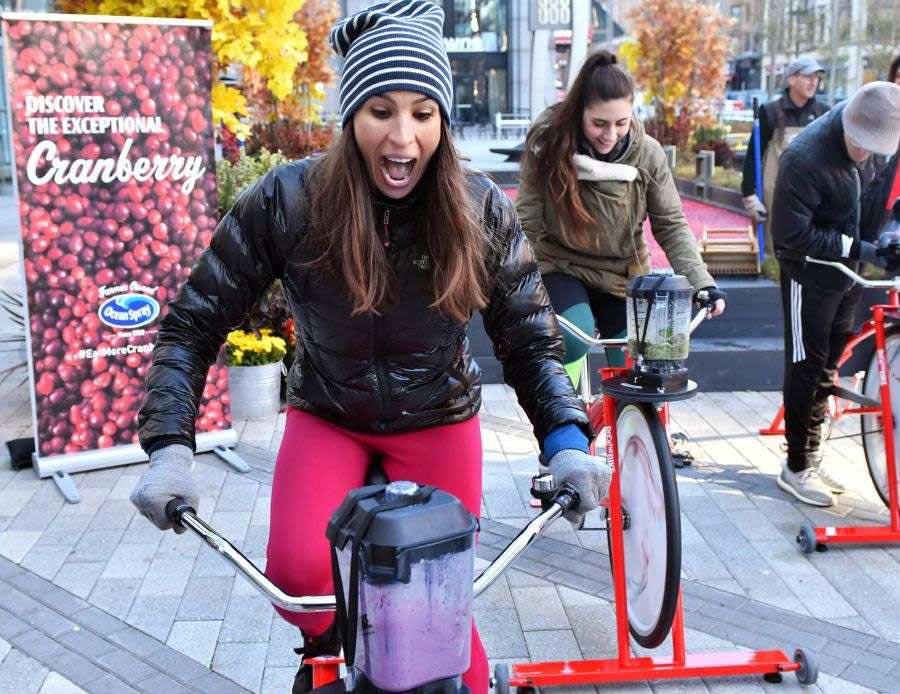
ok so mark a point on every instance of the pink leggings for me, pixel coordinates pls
(319, 462)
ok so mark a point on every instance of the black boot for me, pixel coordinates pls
(328, 643)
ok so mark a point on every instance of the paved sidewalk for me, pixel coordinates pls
(93, 596)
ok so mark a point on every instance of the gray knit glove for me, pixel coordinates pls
(755, 209)
(169, 477)
(587, 474)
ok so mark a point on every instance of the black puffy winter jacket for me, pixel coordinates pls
(817, 202)
(405, 369)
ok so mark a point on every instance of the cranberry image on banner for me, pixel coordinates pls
(113, 148)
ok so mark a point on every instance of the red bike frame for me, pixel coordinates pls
(866, 534)
(880, 533)
(627, 668)
(866, 330)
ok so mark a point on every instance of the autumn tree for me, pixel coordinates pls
(261, 36)
(678, 57)
(315, 18)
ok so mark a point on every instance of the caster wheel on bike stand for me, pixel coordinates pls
(501, 679)
(500, 682)
(809, 668)
(806, 538)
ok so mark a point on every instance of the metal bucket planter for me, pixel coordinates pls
(255, 390)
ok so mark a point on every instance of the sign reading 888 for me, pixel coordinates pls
(551, 14)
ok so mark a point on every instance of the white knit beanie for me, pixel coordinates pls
(872, 117)
(393, 46)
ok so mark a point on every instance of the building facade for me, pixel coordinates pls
(490, 44)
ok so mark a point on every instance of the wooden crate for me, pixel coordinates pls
(730, 251)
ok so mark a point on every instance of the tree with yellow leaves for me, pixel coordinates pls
(678, 57)
(316, 18)
(261, 36)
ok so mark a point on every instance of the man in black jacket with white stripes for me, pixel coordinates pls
(816, 213)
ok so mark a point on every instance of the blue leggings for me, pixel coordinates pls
(589, 309)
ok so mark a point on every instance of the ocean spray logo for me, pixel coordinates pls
(128, 311)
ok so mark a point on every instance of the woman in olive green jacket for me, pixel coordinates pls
(590, 176)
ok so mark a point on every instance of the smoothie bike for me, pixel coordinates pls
(876, 402)
(643, 515)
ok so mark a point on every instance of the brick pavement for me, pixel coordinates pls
(96, 598)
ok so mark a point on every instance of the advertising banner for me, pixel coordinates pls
(113, 150)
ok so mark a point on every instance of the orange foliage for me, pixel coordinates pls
(679, 58)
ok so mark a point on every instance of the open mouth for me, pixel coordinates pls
(397, 171)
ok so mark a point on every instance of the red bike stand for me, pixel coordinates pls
(776, 428)
(627, 668)
(325, 669)
(679, 665)
(811, 538)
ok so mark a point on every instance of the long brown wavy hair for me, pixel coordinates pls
(555, 141)
(344, 232)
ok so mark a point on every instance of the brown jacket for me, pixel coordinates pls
(619, 196)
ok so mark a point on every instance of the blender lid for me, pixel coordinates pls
(396, 526)
(647, 286)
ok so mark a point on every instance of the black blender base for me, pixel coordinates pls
(630, 389)
(447, 686)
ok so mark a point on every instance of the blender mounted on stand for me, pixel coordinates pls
(658, 318)
(403, 561)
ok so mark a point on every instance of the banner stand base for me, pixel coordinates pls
(60, 467)
(66, 486)
(232, 458)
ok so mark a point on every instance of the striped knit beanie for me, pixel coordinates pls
(393, 46)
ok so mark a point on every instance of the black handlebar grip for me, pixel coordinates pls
(176, 508)
(567, 498)
(755, 107)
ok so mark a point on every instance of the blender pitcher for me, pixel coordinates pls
(658, 308)
(403, 562)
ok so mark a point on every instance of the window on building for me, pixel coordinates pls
(480, 84)
(482, 21)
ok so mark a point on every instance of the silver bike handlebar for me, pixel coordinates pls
(326, 603)
(876, 284)
(619, 341)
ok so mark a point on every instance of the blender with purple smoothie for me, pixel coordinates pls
(403, 571)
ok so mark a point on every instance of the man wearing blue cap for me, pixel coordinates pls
(780, 121)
